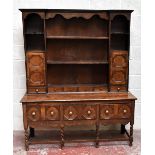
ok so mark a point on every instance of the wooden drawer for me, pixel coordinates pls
(118, 88)
(78, 112)
(38, 112)
(52, 112)
(115, 111)
(36, 90)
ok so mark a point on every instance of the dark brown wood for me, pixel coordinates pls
(32, 132)
(77, 66)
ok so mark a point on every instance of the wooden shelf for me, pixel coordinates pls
(76, 62)
(76, 37)
(121, 33)
(48, 137)
(33, 33)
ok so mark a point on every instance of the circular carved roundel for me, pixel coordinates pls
(107, 112)
(70, 113)
(118, 76)
(119, 61)
(124, 111)
(36, 77)
(36, 60)
(33, 114)
(89, 113)
(52, 113)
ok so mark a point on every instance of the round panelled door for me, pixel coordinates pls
(33, 113)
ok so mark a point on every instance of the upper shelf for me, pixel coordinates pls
(121, 33)
(34, 33)
(76, 37)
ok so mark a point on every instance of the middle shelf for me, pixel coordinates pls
(77, 51)
(78, 37)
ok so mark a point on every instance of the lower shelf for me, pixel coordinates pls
(53, 137)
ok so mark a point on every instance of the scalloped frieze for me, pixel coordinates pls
(78, 15)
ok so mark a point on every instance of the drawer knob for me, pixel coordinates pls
(52, 113)
(124, 110)
(89, 112)
(37, 90)
(107, 111)
(70, 113)
(118, 89)
(33, 113)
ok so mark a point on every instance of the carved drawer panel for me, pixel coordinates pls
(89, 112)
(106, 111)
(70, 113)
(78, 112)
(33, 113)
(115, 111)
(124, 111)
(52, 112)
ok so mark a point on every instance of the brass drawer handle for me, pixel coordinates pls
(118, 89)
(33, 113)
(107, 111)
(124, 110)
(52, 113)
(70, 113)
(37, 90)
(89, 112)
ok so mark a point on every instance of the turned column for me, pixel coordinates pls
(62, 135)
(131, 134)
(97, 135)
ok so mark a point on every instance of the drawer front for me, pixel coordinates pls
(36, 90)
(78, 112)
(115, 111)
(118, 88)
(33, 113)
(40, 112)
(52, 112)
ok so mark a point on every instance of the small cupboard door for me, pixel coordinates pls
(35, 69)
(119, 68)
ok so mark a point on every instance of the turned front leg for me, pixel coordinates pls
(131, 134)
(26, 140)
(97, 135)
(25, 128)
(62, 136)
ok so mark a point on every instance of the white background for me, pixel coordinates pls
(147, 63)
